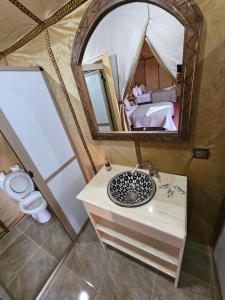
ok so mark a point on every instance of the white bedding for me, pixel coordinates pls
(162, 113)
(168, 94)
(145, 97)
(129, 113)
(152, 115)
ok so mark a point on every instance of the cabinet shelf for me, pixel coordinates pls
(139, 257)
(137, 244)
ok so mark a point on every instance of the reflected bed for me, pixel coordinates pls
(159, 115)
(155, 96)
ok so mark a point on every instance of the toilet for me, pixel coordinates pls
(19, 186)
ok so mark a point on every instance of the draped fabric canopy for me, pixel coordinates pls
(19, 18)
(123, 31)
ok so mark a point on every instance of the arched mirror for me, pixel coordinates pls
(134, 65)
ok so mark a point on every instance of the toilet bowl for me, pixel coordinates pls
(19, 186)
(35, 205)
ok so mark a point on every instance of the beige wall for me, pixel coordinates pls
(9, 209)
(150, 73)
(139, 75)
(206, 177)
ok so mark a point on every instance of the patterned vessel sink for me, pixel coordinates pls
(131, 190)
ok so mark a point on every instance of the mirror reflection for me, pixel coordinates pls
(133, 68)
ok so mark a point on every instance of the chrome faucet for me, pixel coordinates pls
(152, 172)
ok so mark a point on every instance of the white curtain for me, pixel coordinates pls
(121, 33)
(166, 35)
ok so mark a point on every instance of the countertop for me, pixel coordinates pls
(161, 213)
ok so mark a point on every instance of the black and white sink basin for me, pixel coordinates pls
(131, 190)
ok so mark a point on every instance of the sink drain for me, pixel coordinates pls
(132, 196)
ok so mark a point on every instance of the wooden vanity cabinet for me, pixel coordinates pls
(153, 233)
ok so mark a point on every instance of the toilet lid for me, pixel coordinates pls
(18, 185)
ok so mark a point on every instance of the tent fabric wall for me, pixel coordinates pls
(43, 9)
(206, 177)
(28, 19)
(18, 26)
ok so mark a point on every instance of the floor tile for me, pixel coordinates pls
(200, 248)
(100, 296)
(215, 279)
(189, 289)
(219, 289)
(89, 261)
(110, 251)
(69, 286)
(217, 294)
(211, 251)
(33, 276)
(58, 242)
(197, 264)
(3, 294)
(24, 223)
(88, 234)
(126, 279)
(8, 239)
(16, 256)
(39, 232)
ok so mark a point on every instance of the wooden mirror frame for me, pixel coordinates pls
(188, 13)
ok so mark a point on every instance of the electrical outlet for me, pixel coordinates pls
(201, 153)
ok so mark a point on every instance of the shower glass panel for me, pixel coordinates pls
(32, 107)
(97, 91)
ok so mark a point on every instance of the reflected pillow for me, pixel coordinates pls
(135, 91)
(127, 104)
(139, 90)
(169, 88)
(142, 86)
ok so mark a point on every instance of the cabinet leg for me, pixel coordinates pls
(181, 253)
(94, 225)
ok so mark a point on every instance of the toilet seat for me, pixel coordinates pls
(18, 185)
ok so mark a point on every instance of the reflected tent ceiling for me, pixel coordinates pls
(163, 32)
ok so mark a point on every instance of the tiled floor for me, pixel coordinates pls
(90, 273)
(28, 255)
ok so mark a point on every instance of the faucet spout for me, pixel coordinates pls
(152, 172)
(134, 169)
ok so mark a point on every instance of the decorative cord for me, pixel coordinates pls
(67, 97)
(138, 151)
(57, 16)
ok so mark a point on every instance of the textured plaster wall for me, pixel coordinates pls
(9, 209)
(206, 177)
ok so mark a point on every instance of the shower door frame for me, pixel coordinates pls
(25, 159)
